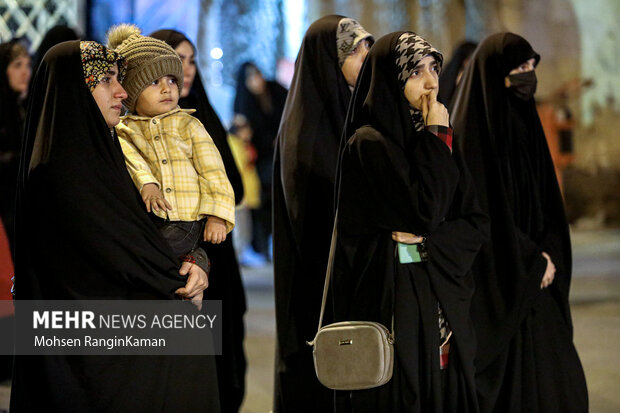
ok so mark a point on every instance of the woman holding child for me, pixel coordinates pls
(82, 233)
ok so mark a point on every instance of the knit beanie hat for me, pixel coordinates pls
(148, 59)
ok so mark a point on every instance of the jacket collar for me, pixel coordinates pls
(163, 115)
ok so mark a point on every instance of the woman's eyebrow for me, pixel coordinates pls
(422, 65)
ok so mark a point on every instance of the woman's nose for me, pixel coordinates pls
(431, 81)
(120, 92)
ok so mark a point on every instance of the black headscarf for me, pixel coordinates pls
(83, 221)
(505, 148)
(12, 118)
(54, 36)
(447, 80)
(198, 99)
(224, 279)
(304, 175)
(312, 122)
(395, 178)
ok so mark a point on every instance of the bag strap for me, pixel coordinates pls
(330, 265)
(328, 274)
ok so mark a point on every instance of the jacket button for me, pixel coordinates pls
(156, 138)
(164, 161)
(168, 190)
(154, 121)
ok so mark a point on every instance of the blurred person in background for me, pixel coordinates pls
(15, 72)
(261, 102)
(240, 141)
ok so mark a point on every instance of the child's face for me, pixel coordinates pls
(159, 97)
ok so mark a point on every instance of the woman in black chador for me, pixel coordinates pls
(400, 181)
(14, 78)
(82, 233)
(261, 102)
(327, 66)
(224, 278)
(526, 361)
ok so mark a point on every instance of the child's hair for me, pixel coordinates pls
(148, 59)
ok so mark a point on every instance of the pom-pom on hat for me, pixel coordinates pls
(148, 59)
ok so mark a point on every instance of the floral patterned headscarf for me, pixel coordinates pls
(97, 60)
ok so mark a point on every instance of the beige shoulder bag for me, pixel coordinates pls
(351, 355)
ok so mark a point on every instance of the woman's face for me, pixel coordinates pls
(254, 81)
(424, 79)
(18, 72)
(109, 95)
(353, 62)
(186, 53)
(527, 66)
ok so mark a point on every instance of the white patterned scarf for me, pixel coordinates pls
(348, 35)
(412, 48)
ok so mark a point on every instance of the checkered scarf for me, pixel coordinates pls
(348, 35)
(412, 48)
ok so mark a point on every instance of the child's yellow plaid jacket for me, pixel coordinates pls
(174, 151)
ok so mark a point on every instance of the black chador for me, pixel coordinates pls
(304, 173)
(526, 360)
(396, 175)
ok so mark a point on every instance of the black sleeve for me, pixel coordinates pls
(411, 191)
(456, 242)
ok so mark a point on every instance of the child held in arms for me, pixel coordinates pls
(170, 156)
